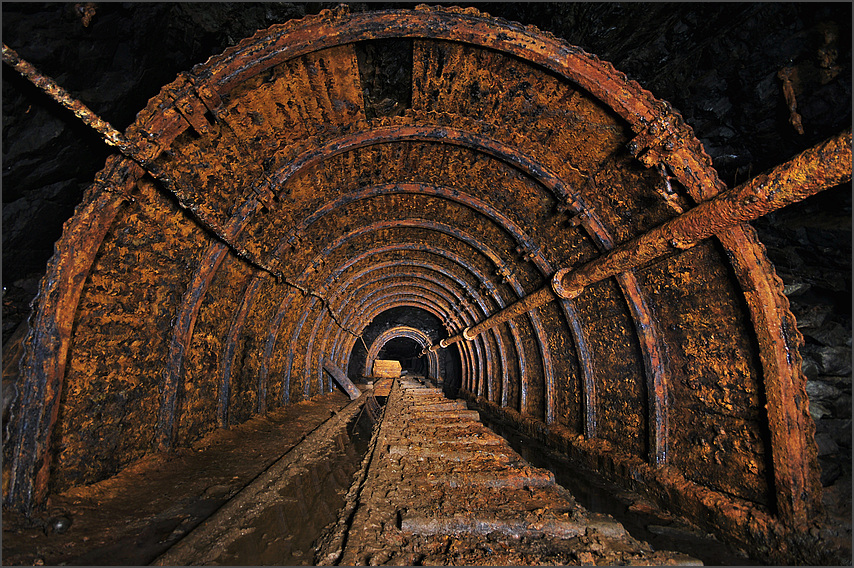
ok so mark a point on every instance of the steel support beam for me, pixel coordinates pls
(821, 167)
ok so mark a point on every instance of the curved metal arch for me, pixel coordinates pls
(532, 316)
(412, 188)
(384, 300)
(486, 284)
(416, 335)
(279, 316)
(341, 292)
(765, 299)
(270, 345)
(282, 42)
(652, 350)
(486, 357)
(312, 357)
(354, 307)
(384, 303)
(409, 289)
(46, 346)
(181, 338)
(597, 77)
(651, 345)
(226, 362)
(286, 375)
(507, 225)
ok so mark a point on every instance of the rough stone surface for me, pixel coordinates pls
(137, 515)
(419, 505)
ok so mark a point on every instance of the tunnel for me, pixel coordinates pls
(361, 185)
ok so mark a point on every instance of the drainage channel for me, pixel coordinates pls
(278, 517)
(640, 518)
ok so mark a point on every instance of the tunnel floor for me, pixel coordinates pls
(437, 488)
(133, 517)
(442, 489)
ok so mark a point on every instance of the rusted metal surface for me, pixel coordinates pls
(139, 149)
(452, 469)
(402, 331)
(470, 269)
(822, 167)
(341, 378)
(227, 361)
(415, 223)
(44, 364)
(345, 291)
(508, 161)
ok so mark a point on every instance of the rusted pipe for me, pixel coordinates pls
(110, 135)
(821, 167)
(140, 151)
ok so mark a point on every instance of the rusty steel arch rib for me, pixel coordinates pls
(533, 317)
(402, 331)
(630, 101)
(47, 342)
(645, 328)
(339, 270)
(386, 302)
(314, 356)
(341, 292)
(591, 224)
(433, 284)
(461, 262)
(661, 138)
(385, 298)
(333, 245)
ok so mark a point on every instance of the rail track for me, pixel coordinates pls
(440, 488)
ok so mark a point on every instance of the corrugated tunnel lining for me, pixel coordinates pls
(514, 154)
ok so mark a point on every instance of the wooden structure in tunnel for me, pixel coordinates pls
(297, 202)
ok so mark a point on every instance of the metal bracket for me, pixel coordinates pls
(504, 274)
(190, 105)
(653, 145)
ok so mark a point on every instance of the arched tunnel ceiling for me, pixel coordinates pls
(293, 209)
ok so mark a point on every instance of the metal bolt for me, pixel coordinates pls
(59, 524)
(669, 145)
(653, 129)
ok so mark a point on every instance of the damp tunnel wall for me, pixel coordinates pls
(301, 212)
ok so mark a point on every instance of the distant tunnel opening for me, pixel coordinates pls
(408, 353)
